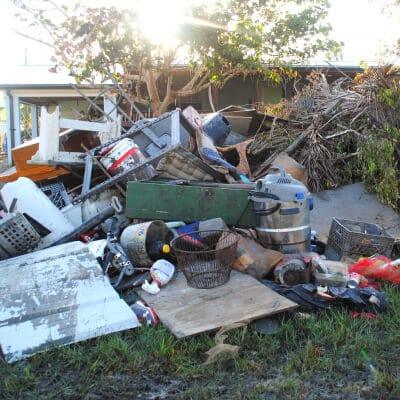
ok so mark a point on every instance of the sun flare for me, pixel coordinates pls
(159, 20)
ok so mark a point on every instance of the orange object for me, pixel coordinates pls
(236, 155)
(21, 154)
(24, 152)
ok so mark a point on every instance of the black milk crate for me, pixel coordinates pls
(357, 238)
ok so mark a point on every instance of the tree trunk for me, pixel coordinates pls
(164, 107)
(151, 83)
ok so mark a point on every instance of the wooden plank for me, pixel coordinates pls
(186, 311)
(85, 125)
(21, 155)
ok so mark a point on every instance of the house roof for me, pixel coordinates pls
(37, 76)
(40, 76)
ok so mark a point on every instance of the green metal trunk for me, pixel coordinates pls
(190, 202)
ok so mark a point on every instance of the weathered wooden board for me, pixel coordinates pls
(54, 297)
(186, 311)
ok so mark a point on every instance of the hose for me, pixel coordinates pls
(264, 195)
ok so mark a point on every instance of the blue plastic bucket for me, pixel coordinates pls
(217, 127)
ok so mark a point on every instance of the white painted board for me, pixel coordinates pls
(56, 297)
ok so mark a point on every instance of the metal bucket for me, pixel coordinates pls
(136, 238)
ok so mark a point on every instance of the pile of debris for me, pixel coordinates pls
(159, 212)
(337, 119)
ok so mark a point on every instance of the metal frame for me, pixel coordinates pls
(34, 117)
(10, 128)
(119, 177)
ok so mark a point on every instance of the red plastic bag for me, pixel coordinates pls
(379, 267)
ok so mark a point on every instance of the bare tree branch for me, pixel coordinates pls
(190, 84)
(33, 38)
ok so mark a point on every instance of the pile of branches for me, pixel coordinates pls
(337, 118)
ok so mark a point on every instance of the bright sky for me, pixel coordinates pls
(360, 24)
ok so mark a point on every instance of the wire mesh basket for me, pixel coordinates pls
(206, 257)
(358, 238)
(17, 235)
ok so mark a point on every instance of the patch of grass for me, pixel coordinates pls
(387, 381)
(291, 386)
(200, 392)
(308, 358)
(16, 380)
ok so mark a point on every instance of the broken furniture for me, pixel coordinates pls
(20, 155)
(190, 202)
(187, 311)
(69, 141)
(55, 297)
(49, 152)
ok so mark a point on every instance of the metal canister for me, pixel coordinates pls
(353, 280)
(137, 238)
(282, 206)
(123, 155)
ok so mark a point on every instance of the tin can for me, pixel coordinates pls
(354, 280)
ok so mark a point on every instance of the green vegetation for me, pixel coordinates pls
(380, 154)
(218, 40)
(317, 356)
(379, 166)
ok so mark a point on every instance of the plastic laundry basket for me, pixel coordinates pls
(206, 257)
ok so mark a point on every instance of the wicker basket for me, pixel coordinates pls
(206, 257)
(358, 238)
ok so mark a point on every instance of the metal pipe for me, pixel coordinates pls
(105, 172)
(86, 226)
(133, 105)
(10, 127)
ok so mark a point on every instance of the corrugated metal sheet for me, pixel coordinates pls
(55, 297)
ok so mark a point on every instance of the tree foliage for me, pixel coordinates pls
(218, 40)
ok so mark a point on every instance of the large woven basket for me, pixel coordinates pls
(206, 257)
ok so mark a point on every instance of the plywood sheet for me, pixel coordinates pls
(186, 311)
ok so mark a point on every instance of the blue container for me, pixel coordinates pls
(217, 127)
